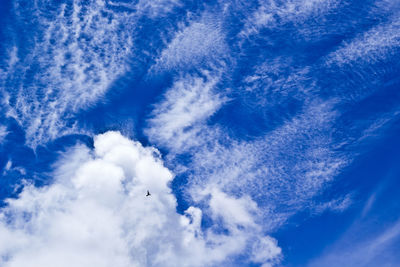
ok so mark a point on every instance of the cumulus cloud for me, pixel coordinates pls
(96, 213)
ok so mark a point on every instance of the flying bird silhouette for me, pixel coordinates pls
(148, 193)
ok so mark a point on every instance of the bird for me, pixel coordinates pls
(148, 193)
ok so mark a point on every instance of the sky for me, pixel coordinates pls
(265, 131)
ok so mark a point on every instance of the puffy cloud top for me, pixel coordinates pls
(96, 213)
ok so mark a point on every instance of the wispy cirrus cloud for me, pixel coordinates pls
(336, 205)
(366, 243)
(150, 9)
(378, 43)
(187, 105)
(300, 151)
(74, 55)
(3, 133)
(198, 42)
(378, 250)
(271, 14)
(282, 170)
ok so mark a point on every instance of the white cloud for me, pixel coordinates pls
(283, 171)
(378, 125)
(186, 105)
(374, 45)
(276, 82)
(75, 56)
(336, 205)
(271, 14)
(78, 50)
(150, 9)
(366, 242)
(3, 133)
(200, 42)
(360, 248)
(9, 168)
(157, 8)
(95, 213)
(265, 248)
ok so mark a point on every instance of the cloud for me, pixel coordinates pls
(336, 205)
(74, 55)
(95, 213)
(157, 7)
(176, 120)
(379, 125)
(3, 133)
(10, 168)
(370, 47)
(373, 238)
(274, 84)
(271, 14)
(361, 249)
(68, 61)
(282, 170)
(151, 9)
(199, 43)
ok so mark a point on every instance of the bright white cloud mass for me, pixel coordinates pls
(96, 213)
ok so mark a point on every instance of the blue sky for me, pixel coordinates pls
(266, 131)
